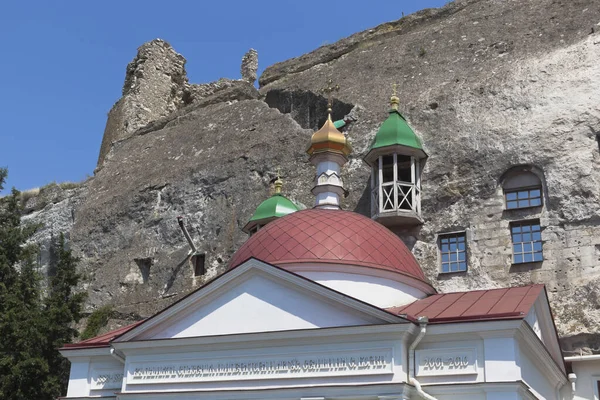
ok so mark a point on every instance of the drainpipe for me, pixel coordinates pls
(573, 380)
(411, 357)
(187, 235)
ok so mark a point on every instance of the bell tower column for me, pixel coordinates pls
(328, 152)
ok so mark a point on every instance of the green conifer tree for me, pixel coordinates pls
(33, 327)
(22, 366)
(63, 308)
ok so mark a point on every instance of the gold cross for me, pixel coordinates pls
(329, 89)
(394, 88)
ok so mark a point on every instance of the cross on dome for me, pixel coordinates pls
(329, 89)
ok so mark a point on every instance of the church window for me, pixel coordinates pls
(526, 241)
(522, 189)
(453, 251)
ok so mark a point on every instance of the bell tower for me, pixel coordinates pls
(328, 151)
(397, 159)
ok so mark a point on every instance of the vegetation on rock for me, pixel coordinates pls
(96, 321)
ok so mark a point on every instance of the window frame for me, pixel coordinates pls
(531, 223)
(449, 235)
(529, 198)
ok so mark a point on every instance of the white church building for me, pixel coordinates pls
(327, 304)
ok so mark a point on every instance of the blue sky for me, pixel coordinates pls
(63, 62)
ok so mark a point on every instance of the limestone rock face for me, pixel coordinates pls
(250, 66)
(53, 210)
(487, 84)
(154, 87)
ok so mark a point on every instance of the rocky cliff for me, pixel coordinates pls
(487, 84)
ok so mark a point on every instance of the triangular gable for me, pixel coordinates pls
(257, 297)
(541, 321)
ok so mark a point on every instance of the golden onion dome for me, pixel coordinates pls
(328, 138)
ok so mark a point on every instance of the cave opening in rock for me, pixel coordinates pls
(144, 265)
(308, 109)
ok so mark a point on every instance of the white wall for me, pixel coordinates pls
(379, 291)
(87, 373)
(259, 304)
(530, 373)
(588, 373)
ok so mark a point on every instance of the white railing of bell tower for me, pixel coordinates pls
(396, 196)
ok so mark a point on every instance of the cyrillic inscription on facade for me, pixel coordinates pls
(375, 361)
(106, 379)
(460, 361)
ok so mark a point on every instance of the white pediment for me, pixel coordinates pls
(541, 323)
(257, 297)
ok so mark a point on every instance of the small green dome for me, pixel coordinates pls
(395, 131)
(274, 207)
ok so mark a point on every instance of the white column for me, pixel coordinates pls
(395, 192)
(418, 186)
(501, 360)
(373, 188)
(328, 187)
(414, 182)
(380, 183)
(78, 379)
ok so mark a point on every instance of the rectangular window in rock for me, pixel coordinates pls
(198, 262)
(453, 252)
(527, 241)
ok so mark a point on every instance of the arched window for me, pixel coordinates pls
(522, 189)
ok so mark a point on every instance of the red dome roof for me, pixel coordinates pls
(329, 236)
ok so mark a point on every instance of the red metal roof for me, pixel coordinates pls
(329, 236)
(476, 305)
(101, 340)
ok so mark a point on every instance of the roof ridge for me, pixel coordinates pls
(527, 294)
(487, 290)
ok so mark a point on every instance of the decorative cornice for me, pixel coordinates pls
(348, 391)
(534, 347)
(85, 352)
(480, 387)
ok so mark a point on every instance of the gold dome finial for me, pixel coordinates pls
(328, 138)
(394, 100)
(329, 89)
(278, 184)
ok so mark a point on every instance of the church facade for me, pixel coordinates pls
(329, 304)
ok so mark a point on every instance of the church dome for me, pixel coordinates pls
(328, 138)
(396, 131)
(274, 207)
(320, 236)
